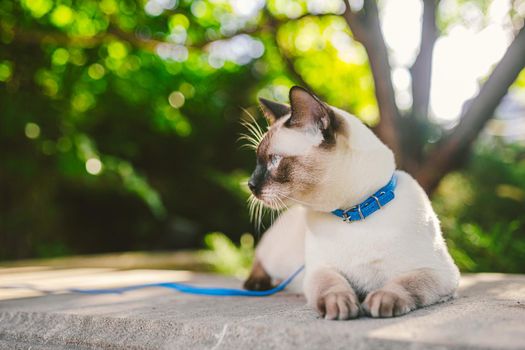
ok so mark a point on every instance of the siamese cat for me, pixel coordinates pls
(315, 159)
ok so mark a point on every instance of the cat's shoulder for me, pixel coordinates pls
(407, 183)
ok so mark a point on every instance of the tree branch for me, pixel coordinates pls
(274, 24)
(36, 37)
(451, 150)
(414, 129)
(366, 29)
(422, 68)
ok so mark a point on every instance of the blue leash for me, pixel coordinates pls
(181, 287)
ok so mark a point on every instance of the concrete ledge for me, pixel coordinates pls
(173, 260)
(488, 314)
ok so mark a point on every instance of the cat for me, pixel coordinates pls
(315, 158)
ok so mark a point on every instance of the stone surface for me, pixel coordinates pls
(488, 314)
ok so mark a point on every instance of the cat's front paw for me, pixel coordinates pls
(384, 303)
(338, 306)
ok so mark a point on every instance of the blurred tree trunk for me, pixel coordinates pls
(406, 134)
(452, 148)
(366, 28)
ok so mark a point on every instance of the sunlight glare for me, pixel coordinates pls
(463, 55)
(401, 27)
(462, 58)
(402, 83)
(246, 8)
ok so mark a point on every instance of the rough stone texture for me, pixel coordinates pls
(488, 314)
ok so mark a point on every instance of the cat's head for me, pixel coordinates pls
(295, 155)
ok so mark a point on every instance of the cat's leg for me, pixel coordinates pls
(330, 294)
(280, 253)
(408, 292)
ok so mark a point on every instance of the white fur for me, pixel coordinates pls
(281, 249)
(295, 142)
(402, 237)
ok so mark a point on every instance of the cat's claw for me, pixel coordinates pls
(384, 303)
(338, 306)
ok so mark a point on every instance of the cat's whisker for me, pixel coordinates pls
(254, 133)
(271, 208)
(260, 212)
(256, 208)
(282, 204)
(276, 203)
(251, 142)
(252, 205)
(280, 208)
(295, 200)
(250, 210)
(254, 121)
(249, 137)
(253, 130)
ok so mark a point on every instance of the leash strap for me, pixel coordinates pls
(181, 287)
(372, 204)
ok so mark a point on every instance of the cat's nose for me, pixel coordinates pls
(252, 186)
(256, 180)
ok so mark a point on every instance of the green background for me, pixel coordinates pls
(86, 81)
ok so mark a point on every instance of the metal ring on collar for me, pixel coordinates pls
(377, 201)
(360, 212)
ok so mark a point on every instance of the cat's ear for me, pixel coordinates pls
(273, 110)
(308, 110)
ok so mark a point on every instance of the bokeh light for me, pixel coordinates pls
(96, 71)
(6, 69)
(176, 99)
(32, 130)
(93, 166)
(240, 49)
(62, 15)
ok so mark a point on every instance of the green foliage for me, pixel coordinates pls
(119, 117)
(228, 258)
(314, 42)
(470, 13)
(482, 210)
(103, 134)
(520, 81)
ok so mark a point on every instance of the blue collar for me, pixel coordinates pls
(370, 205)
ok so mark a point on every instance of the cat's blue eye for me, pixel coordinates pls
(274, 160)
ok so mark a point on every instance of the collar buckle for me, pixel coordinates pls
(346, 216)
(382, 197)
